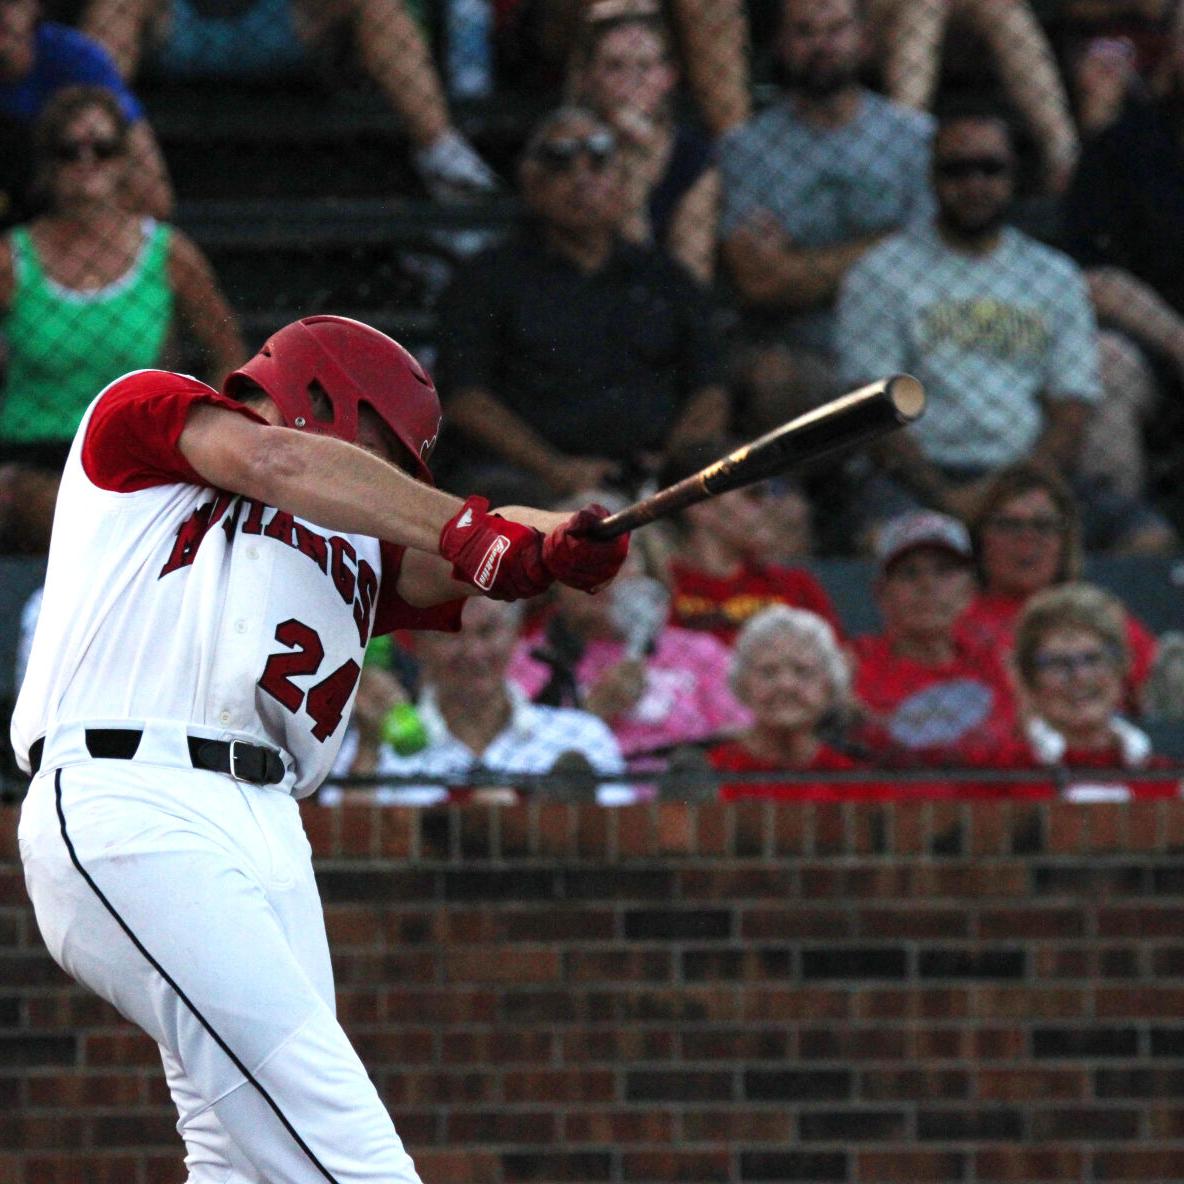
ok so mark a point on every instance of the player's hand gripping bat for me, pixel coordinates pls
(851, 419)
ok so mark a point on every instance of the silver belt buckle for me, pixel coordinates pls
(234, 747)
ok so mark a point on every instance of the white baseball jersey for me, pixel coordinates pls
(167, 600)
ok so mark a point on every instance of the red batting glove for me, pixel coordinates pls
(502, 558)
(580, 561)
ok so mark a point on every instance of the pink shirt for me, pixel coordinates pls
(686, 696)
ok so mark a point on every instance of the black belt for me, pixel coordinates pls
(237, 758)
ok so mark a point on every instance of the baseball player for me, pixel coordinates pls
(218, 563)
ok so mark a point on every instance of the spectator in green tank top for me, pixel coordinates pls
(88, 291)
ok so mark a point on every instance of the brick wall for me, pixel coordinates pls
(920, 992)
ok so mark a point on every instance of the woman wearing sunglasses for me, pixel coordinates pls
(88, 292)
(1027, 537)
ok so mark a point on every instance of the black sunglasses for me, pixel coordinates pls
(72, 151)
(559, 155)
(957, 168)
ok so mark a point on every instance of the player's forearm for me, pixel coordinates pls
(342, 487)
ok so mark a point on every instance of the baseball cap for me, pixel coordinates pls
(924, 528)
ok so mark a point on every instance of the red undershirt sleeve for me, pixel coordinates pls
(130, 440)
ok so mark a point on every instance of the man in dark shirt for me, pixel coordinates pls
(567, 352)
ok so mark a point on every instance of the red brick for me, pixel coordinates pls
(596, 830)
(1031, 1085)
(636, 831)
(501, 965)
(501, 1046)
(1107, 827)
(997, 1044)
(1166, 1123)
(1139, 1002)
(1144, 826)
(1017, 1003)
(675, 829)
(763, 923)
(551, 1086)
(805, 1003)
(70, 1090)
(1068, 827)
(608, 1127)
(1173, 825)
(500, 1126)
(1141, 922)
(356, 829)
(618, 1045)
(909, 822)
(926, 1085)
(88, 1168)
(791, 829)
(713, 829)
(1017, 1165)
(396, 832)
(353, 925)
(467, 1166)
(554, 829)
(915, 923)
(675, 1165)
(893, 1167)
(738, 1125)
(1150, 1163)
(129, 1047)
(990, 826)
(752, 824)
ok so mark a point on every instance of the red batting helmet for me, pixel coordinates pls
(351, 364)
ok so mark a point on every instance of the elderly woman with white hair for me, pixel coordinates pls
(790, 672)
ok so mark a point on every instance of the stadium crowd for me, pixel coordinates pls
(728, 213)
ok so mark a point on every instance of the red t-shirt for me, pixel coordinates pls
(1069, 778)
(991, 617)
(931, 713)
(733, 757)
(721, 605)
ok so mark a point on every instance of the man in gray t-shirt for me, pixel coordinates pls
(809, 185)
(997, 326)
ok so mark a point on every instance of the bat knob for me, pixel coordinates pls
(907, 395)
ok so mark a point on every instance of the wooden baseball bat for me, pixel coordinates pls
(851, 419)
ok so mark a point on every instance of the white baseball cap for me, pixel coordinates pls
(924, 528)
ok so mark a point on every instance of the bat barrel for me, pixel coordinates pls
(852, 419)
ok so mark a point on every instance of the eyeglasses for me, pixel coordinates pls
(559, 155)
(72, 151)
(958, 168)
(1065, 665)
(1046, 526)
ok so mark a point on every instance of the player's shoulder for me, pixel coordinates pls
(141, 386)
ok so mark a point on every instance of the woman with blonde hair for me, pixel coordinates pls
(1071, 657)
